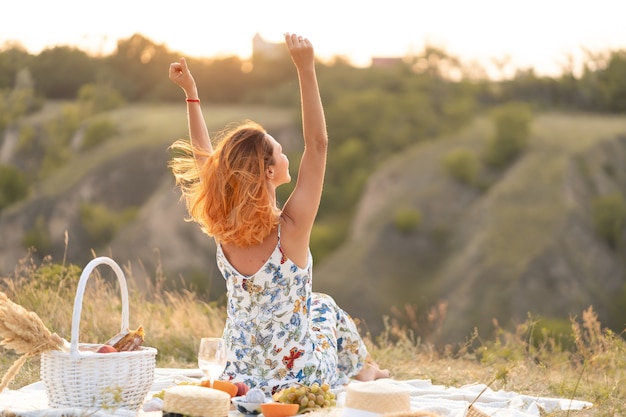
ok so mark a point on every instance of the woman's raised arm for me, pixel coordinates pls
(180, 75)
(302, 206)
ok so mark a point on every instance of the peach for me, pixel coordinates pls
(106, 349)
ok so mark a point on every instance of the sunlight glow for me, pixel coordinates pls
(535, 33)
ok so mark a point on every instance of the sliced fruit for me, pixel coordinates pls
(279, 409)
(226, 386)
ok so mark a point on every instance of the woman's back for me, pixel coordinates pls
(279, 333)
(249, 259)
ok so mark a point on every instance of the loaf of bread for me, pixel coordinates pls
(196, 401)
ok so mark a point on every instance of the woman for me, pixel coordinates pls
(278, 332)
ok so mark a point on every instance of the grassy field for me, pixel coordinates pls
(588, 363)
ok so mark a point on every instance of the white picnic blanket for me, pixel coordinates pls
(31, 400)
(454, 402)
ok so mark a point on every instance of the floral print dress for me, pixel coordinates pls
(279, 333)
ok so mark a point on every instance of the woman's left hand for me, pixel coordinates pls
(301, 50)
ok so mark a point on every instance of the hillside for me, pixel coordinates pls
(129, 170)
(524, 244)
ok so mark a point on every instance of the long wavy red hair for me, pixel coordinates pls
(225, 191)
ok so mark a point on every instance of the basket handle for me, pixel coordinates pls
(78, 301)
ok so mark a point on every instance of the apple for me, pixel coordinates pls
(106, 349)
(242, 388)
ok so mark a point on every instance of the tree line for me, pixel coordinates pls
(137, 67)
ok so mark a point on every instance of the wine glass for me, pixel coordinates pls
(212, 357)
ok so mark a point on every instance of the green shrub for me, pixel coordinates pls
(551, 330)
(407, 219)
(38, 237)
(13, 185)
(101, 223)
(59, 136)
(609, 217)
(54, 158)
(63, 278)
(18, 101)
(62, 128)
(325, 237)
(96, 98)
(96, 132)
(512, 131)
(463, 165)
(26, 140)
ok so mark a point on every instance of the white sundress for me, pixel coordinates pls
(279, 333)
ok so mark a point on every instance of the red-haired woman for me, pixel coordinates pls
(277, 330)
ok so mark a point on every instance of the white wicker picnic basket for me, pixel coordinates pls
(84, 379)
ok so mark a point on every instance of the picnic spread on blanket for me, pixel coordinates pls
(120, 378)
(31, 401)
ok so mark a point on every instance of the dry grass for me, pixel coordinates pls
(587, 364)
(23, 332)
(174, 322)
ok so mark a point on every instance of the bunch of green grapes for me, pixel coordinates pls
(308, 397)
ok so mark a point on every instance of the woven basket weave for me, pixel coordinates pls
(84, 379)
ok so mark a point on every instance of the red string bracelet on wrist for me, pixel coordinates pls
(191, 100)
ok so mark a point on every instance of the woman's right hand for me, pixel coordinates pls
(180, 75)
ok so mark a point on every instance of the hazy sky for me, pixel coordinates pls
(533, 33)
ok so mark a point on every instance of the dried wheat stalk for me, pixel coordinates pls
(24, 332)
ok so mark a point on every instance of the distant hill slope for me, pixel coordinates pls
(130, 170)
(524, 245)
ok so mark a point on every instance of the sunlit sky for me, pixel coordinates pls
(541, 34)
